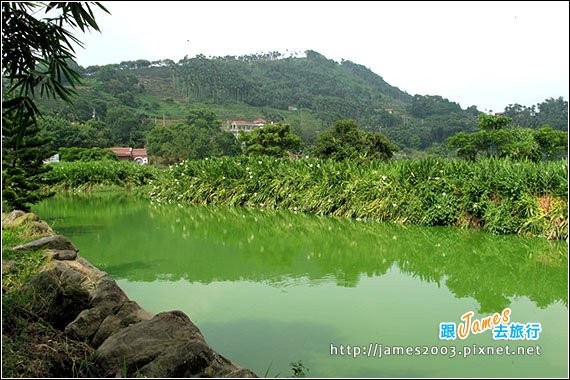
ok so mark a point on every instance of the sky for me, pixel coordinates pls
(488, 54)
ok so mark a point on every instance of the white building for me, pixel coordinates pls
(238, 126)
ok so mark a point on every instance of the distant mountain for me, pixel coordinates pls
(308, 92)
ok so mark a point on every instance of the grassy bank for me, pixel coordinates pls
(498, 195)
(31, 345)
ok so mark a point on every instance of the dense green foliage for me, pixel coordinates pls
(345, 141)
(516, 143)
(313, 82)
(86, 154)
(493, 122)
(23, 152)
(200, 137)
(85, 175)
(271, 140)
(500, 195)
(553, 112)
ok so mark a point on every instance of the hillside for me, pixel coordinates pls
(310, 93)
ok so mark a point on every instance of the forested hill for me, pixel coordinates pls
(308, 92)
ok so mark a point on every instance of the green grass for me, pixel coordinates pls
(499, 195)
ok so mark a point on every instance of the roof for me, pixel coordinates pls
(259, 120)
(139, 152)
(122, 151)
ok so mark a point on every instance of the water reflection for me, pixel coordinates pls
(134, 240)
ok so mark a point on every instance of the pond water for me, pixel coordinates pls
(268, 288)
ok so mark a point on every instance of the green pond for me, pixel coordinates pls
(268, 288)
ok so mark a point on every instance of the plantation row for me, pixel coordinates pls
(499, 195)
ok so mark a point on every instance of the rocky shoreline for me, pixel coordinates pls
(90, 307)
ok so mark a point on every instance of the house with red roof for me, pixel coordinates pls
(139, 156)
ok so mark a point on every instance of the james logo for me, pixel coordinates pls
(498, 323)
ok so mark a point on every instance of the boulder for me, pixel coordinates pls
(106, 299)
(86, 324)
(168, 345)
(108, 294)
(60, 254)
(58, 294)
(57, 242)
(18, 218)
(128, 314)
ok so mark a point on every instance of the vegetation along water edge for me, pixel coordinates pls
(500, 195)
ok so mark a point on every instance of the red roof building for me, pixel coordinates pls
(129, 154)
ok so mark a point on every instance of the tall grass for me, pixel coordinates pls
(85, 175)
(499, 195)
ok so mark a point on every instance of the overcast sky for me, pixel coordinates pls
(488, 54)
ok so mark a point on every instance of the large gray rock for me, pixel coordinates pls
(59, 296)
(59, 254)
(108, 294)
(106, 299)
(168, 345)
(129, 313)
(87, 323)
(9, 218)
(17, 219)
(57, 242)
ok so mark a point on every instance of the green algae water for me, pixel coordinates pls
(348, 298)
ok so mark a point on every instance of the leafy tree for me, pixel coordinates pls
(199, 138)
(58, 131)
(23, 152)
(204, 119)
(522, 116)
(271, 140)
(226, 144)
(37, 54)
(553, 112)
(519, 144)
(516, 143)
(86, 154)
(552, 142)
(127, 126)
(493, 122)
(346, 141)
(99, 134)
(423, 106)
(62, 133)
